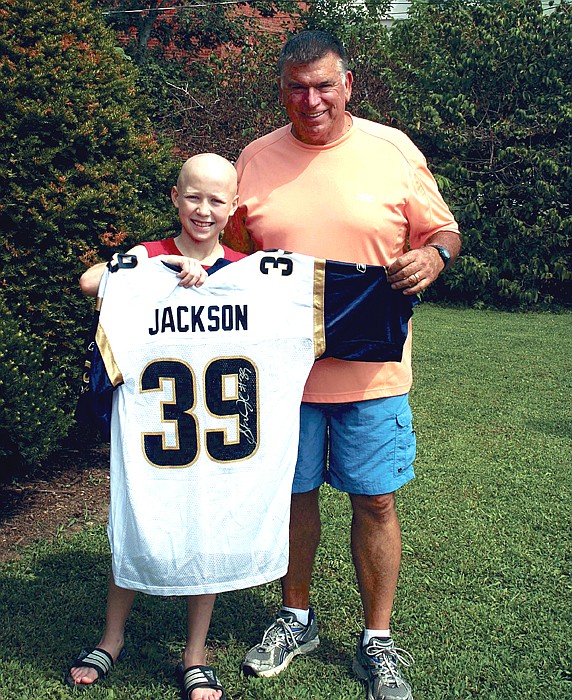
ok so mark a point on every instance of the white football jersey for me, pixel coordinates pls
(206, 385)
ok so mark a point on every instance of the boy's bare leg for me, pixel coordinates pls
(119, 603)
(199, 612)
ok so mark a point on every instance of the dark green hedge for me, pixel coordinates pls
(31, 416)
(81, 173)
(485, 89)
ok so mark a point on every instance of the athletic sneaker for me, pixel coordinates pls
(282, 641)
(376, 664)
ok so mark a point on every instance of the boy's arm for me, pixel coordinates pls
(89, 281)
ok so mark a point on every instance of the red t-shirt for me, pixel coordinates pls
(168, 247)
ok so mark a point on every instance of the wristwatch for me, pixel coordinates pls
(443, 253)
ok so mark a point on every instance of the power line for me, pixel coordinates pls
(217, 3)
(173, 8)
(392, 12)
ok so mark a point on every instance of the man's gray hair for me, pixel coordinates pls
(307, 47)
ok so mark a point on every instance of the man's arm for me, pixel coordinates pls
(417, 269)
(236, 235)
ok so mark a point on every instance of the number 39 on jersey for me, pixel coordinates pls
(229, 389)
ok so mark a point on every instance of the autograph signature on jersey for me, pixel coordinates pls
(244, 406)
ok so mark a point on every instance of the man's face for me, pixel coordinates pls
(315, 97)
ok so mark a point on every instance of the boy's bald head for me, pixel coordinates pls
(210, 166)
(206, 195)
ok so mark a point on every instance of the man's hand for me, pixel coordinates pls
(192, 273)
(416, 270)
(419, 268)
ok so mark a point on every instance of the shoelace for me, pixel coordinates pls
(386, 659)
(280, 632)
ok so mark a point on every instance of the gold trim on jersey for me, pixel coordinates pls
(319, 326)
(111, 367)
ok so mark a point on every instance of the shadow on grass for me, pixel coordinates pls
(53, 606)
(555, 427)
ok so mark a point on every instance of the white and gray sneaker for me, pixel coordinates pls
(377, 665)
(281, 642)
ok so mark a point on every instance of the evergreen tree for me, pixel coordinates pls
(81, 174)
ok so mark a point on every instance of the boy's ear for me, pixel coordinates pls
(175, 196)
(234, 206)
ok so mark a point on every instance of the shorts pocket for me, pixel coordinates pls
(405, 442)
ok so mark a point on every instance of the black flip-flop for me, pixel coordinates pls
(198, 677)
(98, 659)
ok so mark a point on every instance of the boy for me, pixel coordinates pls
(205, 196)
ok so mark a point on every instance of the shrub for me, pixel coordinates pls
(81, 173)
(228, 101)
(485, 89)
(207, 69)
(32, 420)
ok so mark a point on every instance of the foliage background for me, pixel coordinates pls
(98, 110)
(81, 173)
(486, 90)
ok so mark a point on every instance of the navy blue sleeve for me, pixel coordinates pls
(365, 320)
(94, 403)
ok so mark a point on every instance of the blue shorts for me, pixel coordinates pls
(365, 447)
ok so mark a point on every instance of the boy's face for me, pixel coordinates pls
(205, 197)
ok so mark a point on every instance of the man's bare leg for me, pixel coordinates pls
(376, 551)
(305, 530)
(273, 655)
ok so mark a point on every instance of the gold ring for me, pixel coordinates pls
(414, 277)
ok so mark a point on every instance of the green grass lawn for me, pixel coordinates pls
(484, 601)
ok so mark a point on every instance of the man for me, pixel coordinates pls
(334, 186)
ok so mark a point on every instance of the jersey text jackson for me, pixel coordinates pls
(185, 319)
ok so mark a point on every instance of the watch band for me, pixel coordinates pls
(443, 253)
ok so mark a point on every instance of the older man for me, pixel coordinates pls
(332, 185)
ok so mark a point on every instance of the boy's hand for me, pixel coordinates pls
(192, 273)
